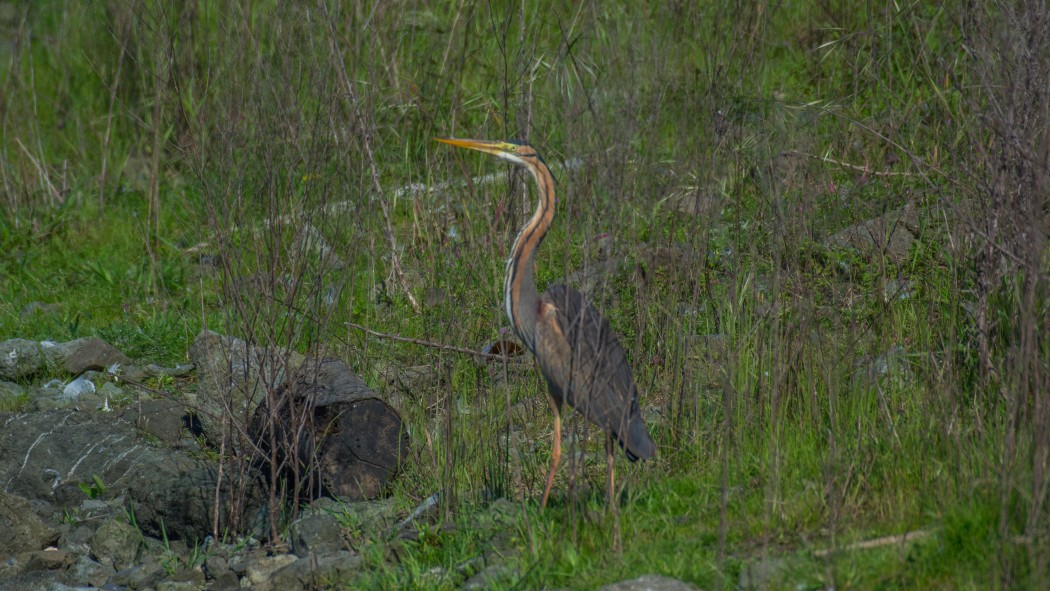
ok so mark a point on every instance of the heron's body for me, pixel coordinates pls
(574, 345)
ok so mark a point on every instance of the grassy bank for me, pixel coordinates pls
(267, 170)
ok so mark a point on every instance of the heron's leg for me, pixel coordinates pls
(610, 493)
(555, 451)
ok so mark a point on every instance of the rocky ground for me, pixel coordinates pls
(110, 484)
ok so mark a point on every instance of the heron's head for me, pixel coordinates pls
(515, 152)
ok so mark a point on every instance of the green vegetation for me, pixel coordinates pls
(806, 392)
(95, 489)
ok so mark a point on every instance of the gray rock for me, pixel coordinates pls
(12, 396)
(78, 387)
(22, 529)
(317, 572)
(650, 583)
(19, 358)
(112, 391)
(44, 455)
(216, 567)
(98, 510)
(116, 543)
(41, 580)
(891, 234)
(232, 375)
(178, 586)
(185, 578)
(316, 534)
(224, 582)
(86, 570)
(164, 419)
(240, 561)
(174, 372)
(78, 539)
(48, 560)
(49, 399)
(260, 569)
(140, 576)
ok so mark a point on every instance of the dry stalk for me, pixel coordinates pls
(45, 179)
(431, 344)
(900, 540)
(109, 125)
(364, 136)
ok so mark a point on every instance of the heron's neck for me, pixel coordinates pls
(519, 290)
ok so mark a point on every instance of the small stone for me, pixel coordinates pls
(259, 570)
(650, 583)
(238, 563)
(116, 543)
(78, 539)
(91, 572)
(48, 560)
(185, 578)
(174, 372)
(305, 574)
(177, 586)
(111, 391)
(19, 358)
(139, 576)
(78, 387)
(317, 534)
(227, 580)
(216, 567)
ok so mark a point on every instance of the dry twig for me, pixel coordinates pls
(364, 136)
(431, 344)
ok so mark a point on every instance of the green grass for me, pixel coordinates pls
(821, 413)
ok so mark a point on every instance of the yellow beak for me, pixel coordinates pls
(487, 146)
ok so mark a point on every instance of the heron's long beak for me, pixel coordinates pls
(489, 147)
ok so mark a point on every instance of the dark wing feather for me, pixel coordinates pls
(585, 366)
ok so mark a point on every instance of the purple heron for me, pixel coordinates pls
(574, 345)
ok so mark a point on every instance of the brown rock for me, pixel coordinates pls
(49, 560)
(92, 353)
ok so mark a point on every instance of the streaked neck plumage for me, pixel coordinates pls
(519, 289)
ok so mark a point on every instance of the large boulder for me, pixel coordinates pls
(232, 379)
(46, 456)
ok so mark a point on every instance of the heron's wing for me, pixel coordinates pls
(584, 363)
